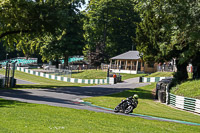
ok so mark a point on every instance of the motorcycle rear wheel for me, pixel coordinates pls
(129, 109)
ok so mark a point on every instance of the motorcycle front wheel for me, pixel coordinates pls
(117, 109)
(129, 109)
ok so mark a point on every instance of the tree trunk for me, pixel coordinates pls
(26, 56)
(57, 62)
(196, 68)
(66, 61)
(181, 74)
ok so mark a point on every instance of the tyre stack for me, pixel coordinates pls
(161, 88)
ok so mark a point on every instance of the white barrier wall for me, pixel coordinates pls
(185, 103)
(108, 80)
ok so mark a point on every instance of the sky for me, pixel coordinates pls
(86, 1)
(83, 8)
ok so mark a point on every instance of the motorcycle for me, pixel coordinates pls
(126, 106)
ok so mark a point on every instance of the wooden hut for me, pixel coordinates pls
(131, 62)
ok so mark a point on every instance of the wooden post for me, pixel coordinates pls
(110, 64)
(137, 67)
(120, 63)
(131, 65)
(142, 67)
(117, 64)
(126, 65)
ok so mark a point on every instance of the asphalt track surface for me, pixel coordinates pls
(67, 96)
(70, 97)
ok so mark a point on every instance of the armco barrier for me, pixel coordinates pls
(109, 80)
(151, 79)
(185, 103)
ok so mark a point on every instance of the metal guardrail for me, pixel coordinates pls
(185, 103)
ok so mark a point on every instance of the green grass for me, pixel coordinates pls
(20, 117)
(50, 83)
(90, 74)
(24, 117)
(99, 74)
(146, 106)
(42, 82)
(161, 74)
(188, 89)
(128, 76)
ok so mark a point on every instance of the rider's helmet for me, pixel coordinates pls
(135, 96)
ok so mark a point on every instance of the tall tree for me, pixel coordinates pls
(165, 32)
(29, 23)
(69, 43)
(186, 31)
(110, 24)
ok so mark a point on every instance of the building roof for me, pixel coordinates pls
(130, 55)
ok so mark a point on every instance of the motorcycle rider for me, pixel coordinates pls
(133, 99)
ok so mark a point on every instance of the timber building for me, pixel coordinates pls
(131, 62)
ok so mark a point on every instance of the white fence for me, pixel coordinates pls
(109, 80)
(185, 103)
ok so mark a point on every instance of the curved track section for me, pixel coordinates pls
(145, 116)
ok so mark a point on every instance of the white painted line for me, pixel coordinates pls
(153, 79)
(180, 102)
(31, 72)
(58, 78)
(65, 79)
(72, 80)
(86, 81)
(52, 76)
(79, 80)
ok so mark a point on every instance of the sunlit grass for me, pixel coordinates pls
(161, 74)
(101, 74)
(34, 118)
(41, 81)
(146, 105)
(189, 88)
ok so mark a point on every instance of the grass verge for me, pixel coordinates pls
(161, 74)
(50, 83)
(25, 117)
(188, 89)
(99, 74)
(146, 106)
(41, 81)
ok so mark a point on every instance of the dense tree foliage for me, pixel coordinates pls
(161, 29)
(169, 29)
(110, 27)
(69, 43)
(32, 24)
